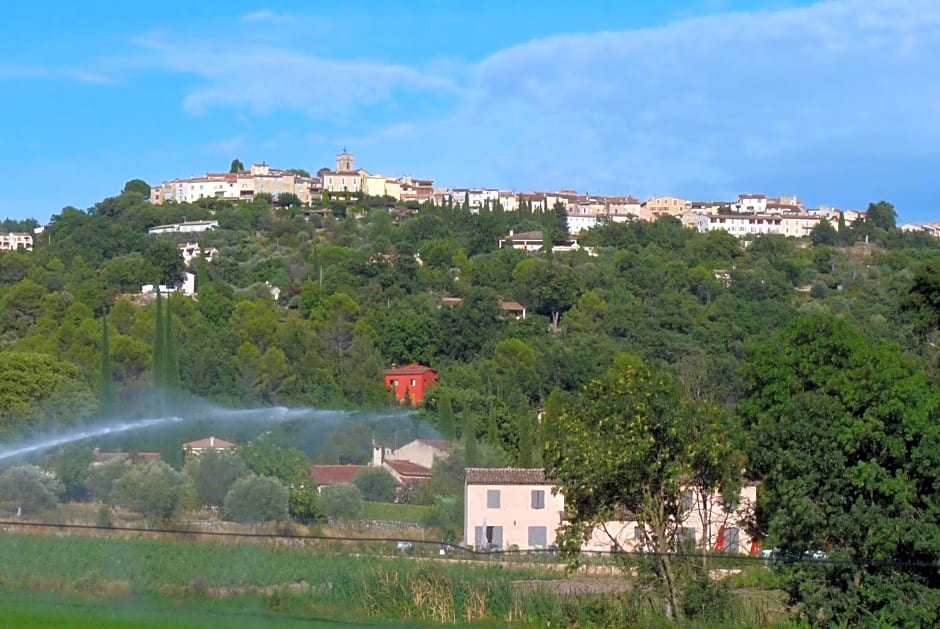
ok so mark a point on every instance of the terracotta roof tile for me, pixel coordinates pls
(506, 476)
(335, 474)
(407, 468)
(407, 370)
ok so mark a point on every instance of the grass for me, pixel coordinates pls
(78, 581)
(390, 512)
(41, 610)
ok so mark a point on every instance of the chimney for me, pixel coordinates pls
(211, 442)
(378, 454)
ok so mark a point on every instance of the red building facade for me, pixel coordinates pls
(410, 382)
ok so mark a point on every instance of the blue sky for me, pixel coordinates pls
(835, 101)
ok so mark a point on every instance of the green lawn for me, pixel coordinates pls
(40, 610)
(390, 512)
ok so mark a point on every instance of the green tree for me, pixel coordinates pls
(106, 397)
(166, 262)
(468, 437)
(445, 417)
(213, 474)
(236, 166)
(846, 442)
(101, 479)
(342, 502)
(376, 484)
(824, 233)
(882, 215)
(171, 363)
(159, 345)
(137, 187)
(25, 489)
(154, 490)
(37, 389)
(72, 468)
(256, 499)
(627, 442)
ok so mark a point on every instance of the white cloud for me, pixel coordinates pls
(266, 78)
(227, 146)
(703, 102)
(706, 105)
(266, 15)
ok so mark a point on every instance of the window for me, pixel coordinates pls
(731, 539)
(538, 498)
(538, 537)
(394, 383)
(492, 498)
(413, 382)
(638, 532)
(688, 500)
(686, 537)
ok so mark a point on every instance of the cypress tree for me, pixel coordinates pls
(158, 343)
(525, 441)
(445, 417)
(106, 399)
(171, 363)
(468, 434)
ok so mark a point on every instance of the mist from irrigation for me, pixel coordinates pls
(195, 412)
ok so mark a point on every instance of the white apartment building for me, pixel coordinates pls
(188, 227)
(244, 185)
(16, 241)
(796, 225)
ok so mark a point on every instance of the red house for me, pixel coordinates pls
(410, 382)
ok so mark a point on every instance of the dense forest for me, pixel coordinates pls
(820, 355)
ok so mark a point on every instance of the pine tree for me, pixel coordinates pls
(171, 363)
(445, 417)
(106, 398)
(158, 344)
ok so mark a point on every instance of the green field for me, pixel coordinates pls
(390, 512)
(40, 610)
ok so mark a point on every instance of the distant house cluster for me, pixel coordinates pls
(747, 215)
(409, 465)
(243, 185)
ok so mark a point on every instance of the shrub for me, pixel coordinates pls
(256, 499)
(343, 501)
(376, 484)
(154, 490)
(214, 473)
(101, 479)
(28, 489)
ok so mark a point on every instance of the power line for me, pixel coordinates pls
(480, 554)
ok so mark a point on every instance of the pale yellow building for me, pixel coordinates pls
(671, 206)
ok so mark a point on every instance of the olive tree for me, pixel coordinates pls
(256, 499)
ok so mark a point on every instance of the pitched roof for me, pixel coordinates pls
(208, 442)
(335, 474)
(407, 468)
(133, 457)
(407, 370)
(440, 444)
(506, 476)
(526, 236)
(514, 306)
